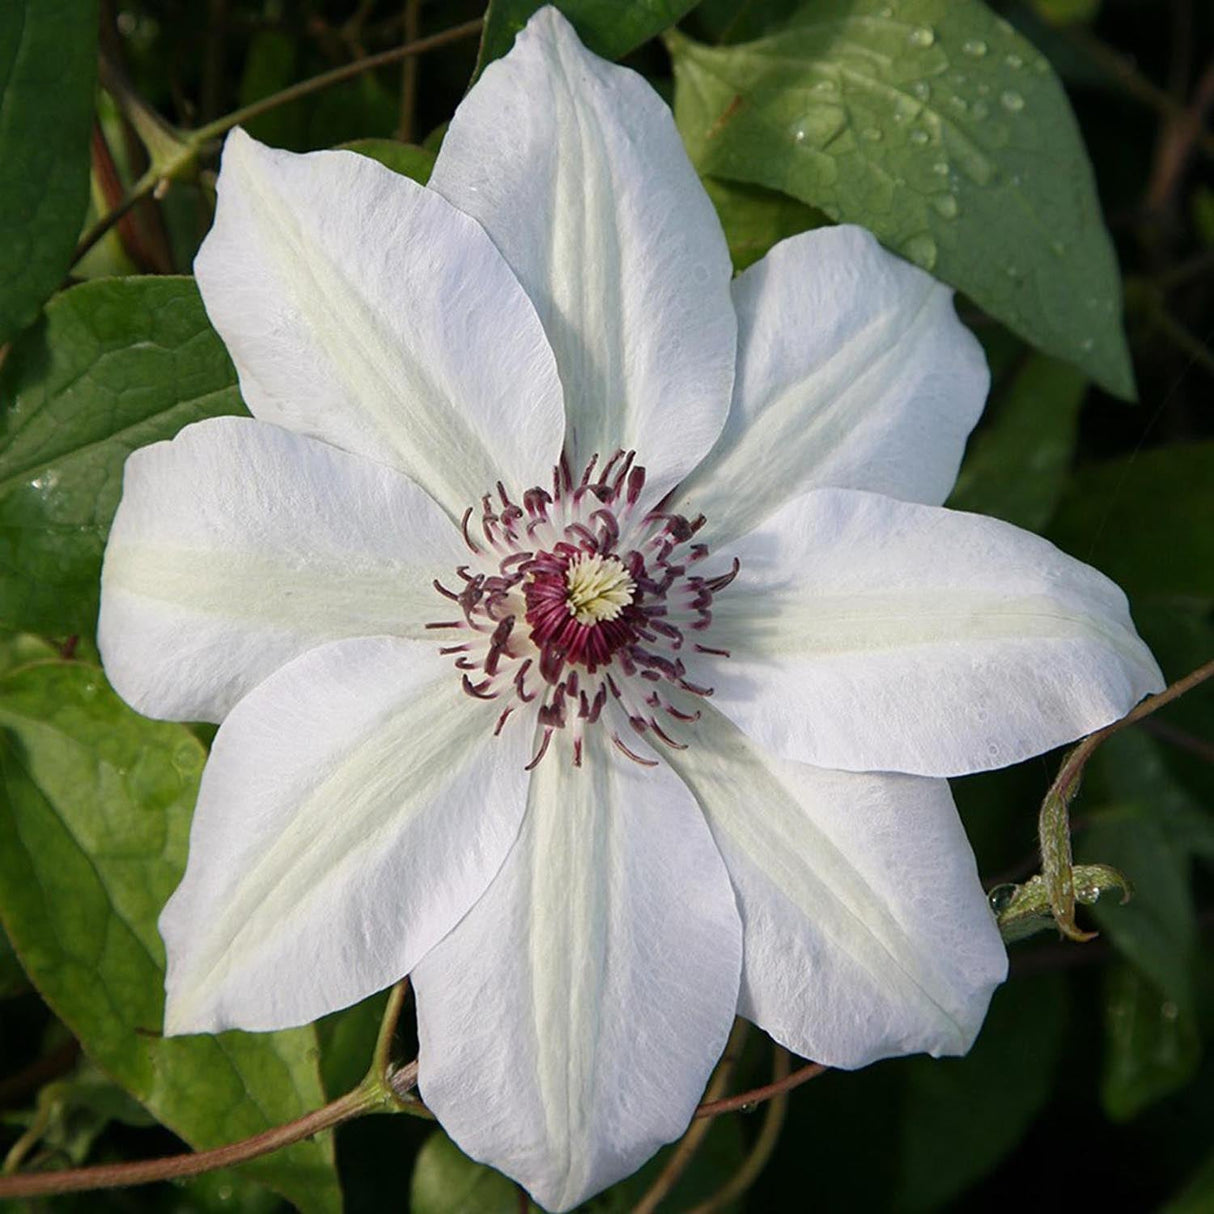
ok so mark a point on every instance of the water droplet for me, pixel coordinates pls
(1087, 345)
(921, 250)
(1012, 101)
(975, 47)
(825, 88)
(89, 690)
(921, 35)
(946, 205)
(1014, 62)
(980, 110)
(921, 89)
(959, 104)
(871, 133)
(919, 136)
(940, 167)
(1012, 271)
(819, 126)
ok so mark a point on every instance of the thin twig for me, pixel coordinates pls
(408, 77)
(192, 141)
(1176, 143)
(691, 1142)
(326, 79)
(1180, 738)
(1053, 826)
(362, 1099)
(1121, 70)
(747, 1100)
(764, 1144)
(1071, 770)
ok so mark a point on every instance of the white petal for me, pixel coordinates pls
(878, 635)
(354, 806)
(853, 372)
(238, 545)
(866, 931)
(568, 1025)
(363, 309)
(575, 168)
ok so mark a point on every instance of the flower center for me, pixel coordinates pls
(577, 607)
(599, 587)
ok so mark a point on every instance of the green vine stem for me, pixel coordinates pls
(1053, 824)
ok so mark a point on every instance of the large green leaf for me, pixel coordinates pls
(445, 1181)
(1157, 928)
(960, 1116)
(48, 71)
(1145, 520)
(754, 219)
(113, 365)
(1017, 464)
(408, 159)
(610, 28)
(95, 806)
(939, 127)
(1152, 1044)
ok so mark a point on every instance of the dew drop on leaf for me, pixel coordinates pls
(921, 250)
(975, 47)
(919, 136)
(921, 89)
(922, 35)
(946, 205)
(1014, 62)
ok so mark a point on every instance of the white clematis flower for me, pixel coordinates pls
(607, 754)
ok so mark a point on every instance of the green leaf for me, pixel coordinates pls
(1144, 519)
(112, 366)
(406, 158)
(269, 67)
(754, 219)
(48, 71)
(445, 1181)
(347, 1041)
(1157, 928)
(95, 806)
(12, 977)
(610, 28)
(1152, 1045)
(960, 1116)
(1017, 463)
(937, 126)
(1024, 910)
(1197, 1197)
(1131, 767)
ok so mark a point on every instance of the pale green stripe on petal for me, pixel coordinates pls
(867, 933)
(355, 805)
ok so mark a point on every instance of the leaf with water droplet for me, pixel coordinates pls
(87, 860)
(990, 122)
